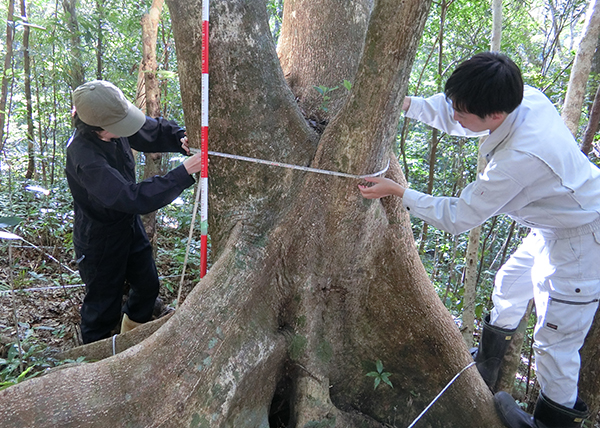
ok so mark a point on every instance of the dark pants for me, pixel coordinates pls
(106, 260)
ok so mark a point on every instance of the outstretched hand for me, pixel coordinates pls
(382, 187)
(193, 164)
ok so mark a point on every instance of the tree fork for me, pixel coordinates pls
(287, 245)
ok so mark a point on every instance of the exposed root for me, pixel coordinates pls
(313, 408)
(104, 348)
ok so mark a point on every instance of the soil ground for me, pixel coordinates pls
(48, 315)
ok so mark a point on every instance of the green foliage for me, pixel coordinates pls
(543, 52)
(9, 221)
(275, 10)
(27, 359)
(324, 91)
(539, 40)
(380, 375)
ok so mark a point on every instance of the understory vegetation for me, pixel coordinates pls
(36, 206)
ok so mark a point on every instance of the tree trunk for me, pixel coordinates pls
(581, 68)
(592, 127)
(151, 100)
(310, 285)
(496, 25)
(589, 378)
(10, 35)
(433, 145)
(76, 72)
(470, 282)
(28, 100)
(512, 358)
(99, 39)
(435, 133)
(314, 55)
(470, 286)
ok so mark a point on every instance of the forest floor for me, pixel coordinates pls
(48, 314)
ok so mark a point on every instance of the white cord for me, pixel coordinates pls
(297, 167)
(115, 344)
(440, 394)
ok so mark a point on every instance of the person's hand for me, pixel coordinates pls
(406, 103)
(184, 145)
(382, 187)
(193, 164)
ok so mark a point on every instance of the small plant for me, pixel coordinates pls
(29, 362)
(10, 367)
(324, 91)
(380, 375)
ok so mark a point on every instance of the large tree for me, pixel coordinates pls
(310, 284)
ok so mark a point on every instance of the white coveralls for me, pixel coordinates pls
(538, 176)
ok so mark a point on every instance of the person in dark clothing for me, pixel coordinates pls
(110, 242)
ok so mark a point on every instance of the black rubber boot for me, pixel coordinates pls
(510, 413)
(493, 344)
(547, 413)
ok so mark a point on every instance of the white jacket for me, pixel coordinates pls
(535, 173)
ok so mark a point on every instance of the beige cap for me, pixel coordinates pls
(100, 103)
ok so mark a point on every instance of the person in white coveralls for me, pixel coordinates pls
(537, 175)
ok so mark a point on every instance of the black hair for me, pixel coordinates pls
(487, 83)
(86, 130)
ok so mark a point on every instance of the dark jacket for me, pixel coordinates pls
(101, 176)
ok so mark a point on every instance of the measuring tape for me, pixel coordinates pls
(296, 167)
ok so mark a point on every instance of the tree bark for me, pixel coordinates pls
(10, 35)
(99, 40)
(150, 99)
(512, 358)
(310, 284)
(76, 72)
(470, 286)
(587, 142)
(28, 100)
(470, 282)
(581, 68)
(435, 133)
(496, 25)
(316, 55)
(589, 378)
(433, 145)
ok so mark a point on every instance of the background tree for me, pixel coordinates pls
(310, 284)
(27, 89)
(148, 97)
(472, 256)
(580, 72)
(76, 68)
(7, 70)
(539, 35)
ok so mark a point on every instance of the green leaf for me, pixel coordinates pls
(347, 84)
(385, 378)
(9, 221)
(379, 366)
(377, 382)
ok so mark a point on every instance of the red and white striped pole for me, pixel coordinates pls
(204, 143)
